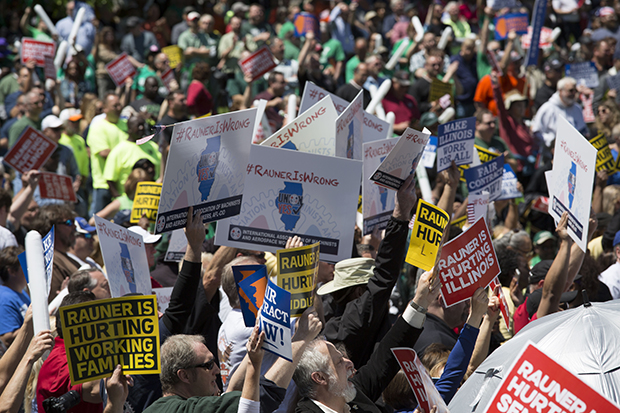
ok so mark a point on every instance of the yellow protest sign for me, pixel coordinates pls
(440, 89)
(146, 202)
(101, 334)
(604, 158)
(426, 235)
(485, 155)
(175, 55)
(460, 222)
(297, 269)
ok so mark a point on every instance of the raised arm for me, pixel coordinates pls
(451, 179)
(10, 359)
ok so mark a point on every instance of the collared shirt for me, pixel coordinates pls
(326, 409)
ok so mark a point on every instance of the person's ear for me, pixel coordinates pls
(319, 378)
(183, 375)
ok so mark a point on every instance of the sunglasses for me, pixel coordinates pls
(68, 223)
(87, 236)
(207, 366)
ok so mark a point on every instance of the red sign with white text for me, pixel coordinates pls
(541, 204)
(587, 111)
(37, 50)
(31, 151)
(167, 77)
(421, 383)
(467, 263)
(55, 186)
(50, 69)
(258, 63)
(536, 383)
(545, 38)
(120, 69)
(503, 304)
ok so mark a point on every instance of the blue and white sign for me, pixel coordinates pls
(584, 73)
(486, 177)
(509, 185)
(538, 19)
(430, 153)
(275, 319)
(456, 143)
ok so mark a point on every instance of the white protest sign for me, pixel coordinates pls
(486, 177)
(477, 205)
(374, 128)
(377, 202)
(163, 297)
(312, 131)
(177, 244)
(291, 193)
(125, 259)
(585, 73)
(275, 316)
(430, 153)
(349, 129)
(509, 185)
(402, 161)
(574, 165)
(206, 169)
(456, 143)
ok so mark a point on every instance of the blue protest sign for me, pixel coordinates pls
(251, 282)
(275, 318)
(509, 185)
(430, 153)
(456, 143)
(513, 21)
(22, 261)
(538, 18)
(305, 22)
(486, 177)
(48, 257)
(585, 73)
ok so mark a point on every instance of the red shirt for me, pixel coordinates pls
(199, 100)
(404, 110)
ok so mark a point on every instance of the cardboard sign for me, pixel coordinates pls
(177, 245)
(377, 202)
(36, 50)
(258, 63)
(477, 206)
(541, 204)
(439, 89)
(31, 151)
(507, 22)
(206, 169)
(312, 131)
(146, 202)
(467, 263)
(294, 193)
(559, 390)
(167, 77)
(402, 160)
(543, 42)
(49, 68)
(275, 316)
(426, 235)
(538, 19)
(503, 304)
(101, 334)
(251, 284)
(585, 73)
(174, 54)
(163, 298)
(486, 177)
(55, 186)
(305, 22)
(349, 130)
(125, 259)
(421, 383)
(587, 110)
(456, 143)
(509, 185)
(297, 270)
(570, 187)
(430, 153)
(120, 69)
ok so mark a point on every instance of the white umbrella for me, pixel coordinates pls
(585, 340)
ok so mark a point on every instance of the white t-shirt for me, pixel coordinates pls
(611, 278)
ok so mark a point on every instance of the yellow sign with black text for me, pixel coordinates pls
(101, 334)
(426, 236)
(297, 270)
(174, 54)
(485, 155)
(146, 202)
(460, 222)
(604, 158)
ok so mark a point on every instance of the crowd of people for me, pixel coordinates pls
(363, 306)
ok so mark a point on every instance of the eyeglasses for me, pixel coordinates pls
(603, 110)
(68, 223)
(88, 235)
(489, 123)
(207, 366)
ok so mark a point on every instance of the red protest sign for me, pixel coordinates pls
(587, 111)
(503, 304)
(421, 383)
(167, 77)
(31, 151)
(37, 50)
(535, 382)
(50, 69)
(545, 38)
(467, 263)
(120, 69)
(55, 186)
(541, 204)
(258, 63)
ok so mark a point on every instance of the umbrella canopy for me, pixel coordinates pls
(585, 340)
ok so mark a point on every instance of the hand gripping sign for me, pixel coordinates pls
(426, 236)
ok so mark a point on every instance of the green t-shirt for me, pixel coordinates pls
(39, 34)
(226, 403)
(77, 144)
(350, 68)
(332, 49)
(189, 39)
(236, 85)
(286, 27)
(138, 81)
(124, 156)
(103, 135)
(291, 52)
(19, 126)
(8, 85)
(125, 202)
(482, 64)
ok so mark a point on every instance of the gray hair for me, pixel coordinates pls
(312, 360)
(512, 239)
(178, 352)
(81, 280)
(565, 82)
(228, 279)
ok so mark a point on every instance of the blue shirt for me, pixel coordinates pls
(85, 35)
(13, 306)
(467, 74)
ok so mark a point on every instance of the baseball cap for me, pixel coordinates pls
(553, 64)
(605, 11)
(513, 96)
(146, 236)
(402, 77)
(71, 114)
(51, 121)
(617, 239)
(542, 236)
(193, 15)
(239, 6)
(82, 226)
(533, 300)
(349, 273)
(539, 271)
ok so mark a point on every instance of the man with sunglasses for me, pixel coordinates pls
(84, 245)
(485, 136)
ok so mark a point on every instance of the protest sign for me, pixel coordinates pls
(374, 128)
(543, 42)
(48, 259)
(49, 68)
(481, 155)
(536, 382)
(587, 111)
(377, 203)
(426, 235)
(177, 245)
(456, 143)
(305, 22)
(101, 334)
(585, 73)
(421, 383)
(467, 263)
(312, 131)
(206, 169)
(167, 77)
(477, 205)
(503, 304)
(125, 259)
(439, 89)
(163, 297)
(258, 63)
(36, 50)
(55, 186)
(430, 153)
(459, 222)
(294, 193)
(570, 183)
(297, 270)
(509, 185)
(508, 22)
(120, 69)
(251, 283)
(486, 177)
(349, 129)
(538, 19)
(501, 4)
(541, 204)
(402, 160)
(174, 54)
(146, 202)
(31, 151)
(275, 315)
